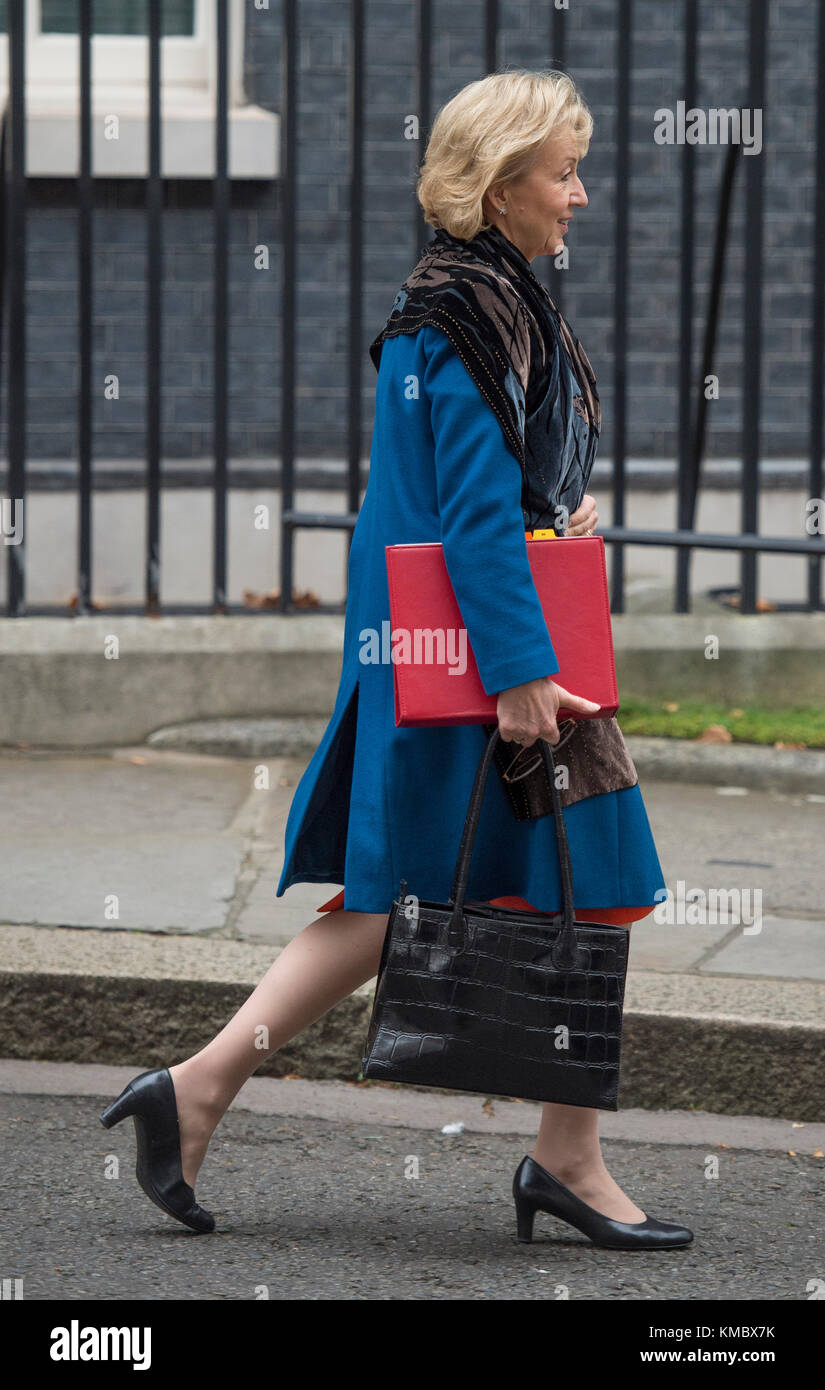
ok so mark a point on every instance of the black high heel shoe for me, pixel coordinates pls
(535, 1190)
(150, 1098)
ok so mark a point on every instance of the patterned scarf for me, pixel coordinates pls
(535, 374)
(522, 355)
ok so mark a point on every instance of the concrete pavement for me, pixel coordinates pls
(138, 900)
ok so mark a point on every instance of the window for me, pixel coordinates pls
(118, 17)
(120, 50)
(120, 77)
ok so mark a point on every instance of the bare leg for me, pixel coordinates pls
(324, 963)
(568, 1146)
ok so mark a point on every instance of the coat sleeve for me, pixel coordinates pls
(478, 482)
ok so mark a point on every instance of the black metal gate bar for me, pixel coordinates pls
(687, 481)
(291, 519)
(289, 192)
(709, 540)
(220, 206)
(491, 36)
(154, 253)
(752, 316)
(356, 235)
(423, 105)
(85, 233)
(815, 483)
(623, 58)
(549, 274)
(714, 306)
(16, 280)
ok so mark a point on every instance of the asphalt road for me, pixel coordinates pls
(313, 1209)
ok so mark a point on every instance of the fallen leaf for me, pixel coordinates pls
(763, 605)
(74, 600)
(819, 1154)
(737, 713)
(255, 600)
(302, 598)
(671, 706)
(792, 1153)
(487, 1107)
(715, 733)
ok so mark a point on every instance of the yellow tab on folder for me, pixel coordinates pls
(545, 534)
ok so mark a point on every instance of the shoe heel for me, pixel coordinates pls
(525, 1215)
(124, 1105)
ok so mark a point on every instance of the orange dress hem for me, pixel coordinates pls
(615, 916)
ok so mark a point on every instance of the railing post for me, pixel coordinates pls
(289, 192)
(687, 480)
(85, 242)
(816, 485)
(622, 201)
(423, 108)
(356, 240)
(154, 340)
(221, 290)
(16, 281)
(752, 324)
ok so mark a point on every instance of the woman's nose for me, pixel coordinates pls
(581, 196)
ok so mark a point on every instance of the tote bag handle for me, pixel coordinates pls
(564, 950)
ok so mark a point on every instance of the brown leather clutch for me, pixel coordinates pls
(592, 752)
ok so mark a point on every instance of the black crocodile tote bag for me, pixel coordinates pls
(504, 1002)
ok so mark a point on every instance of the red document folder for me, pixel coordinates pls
(571, 580)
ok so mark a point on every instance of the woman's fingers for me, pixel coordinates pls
(526, 725)
(514, 730)
(583, 519)
(576, 702)
(519, 727)
(549, 731)
(530, 712)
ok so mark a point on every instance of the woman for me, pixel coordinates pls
(486, 426)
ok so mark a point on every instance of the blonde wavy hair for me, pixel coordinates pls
(490, 132)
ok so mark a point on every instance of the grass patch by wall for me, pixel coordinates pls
(789, 726)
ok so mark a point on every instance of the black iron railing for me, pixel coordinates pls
(692, 405)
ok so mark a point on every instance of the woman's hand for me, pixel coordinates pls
(528, 712)
(583, 520)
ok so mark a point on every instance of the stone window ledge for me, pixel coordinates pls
(187, 136)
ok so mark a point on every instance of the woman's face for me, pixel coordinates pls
(540, 203)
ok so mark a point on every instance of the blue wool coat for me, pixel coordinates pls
(376, 802)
